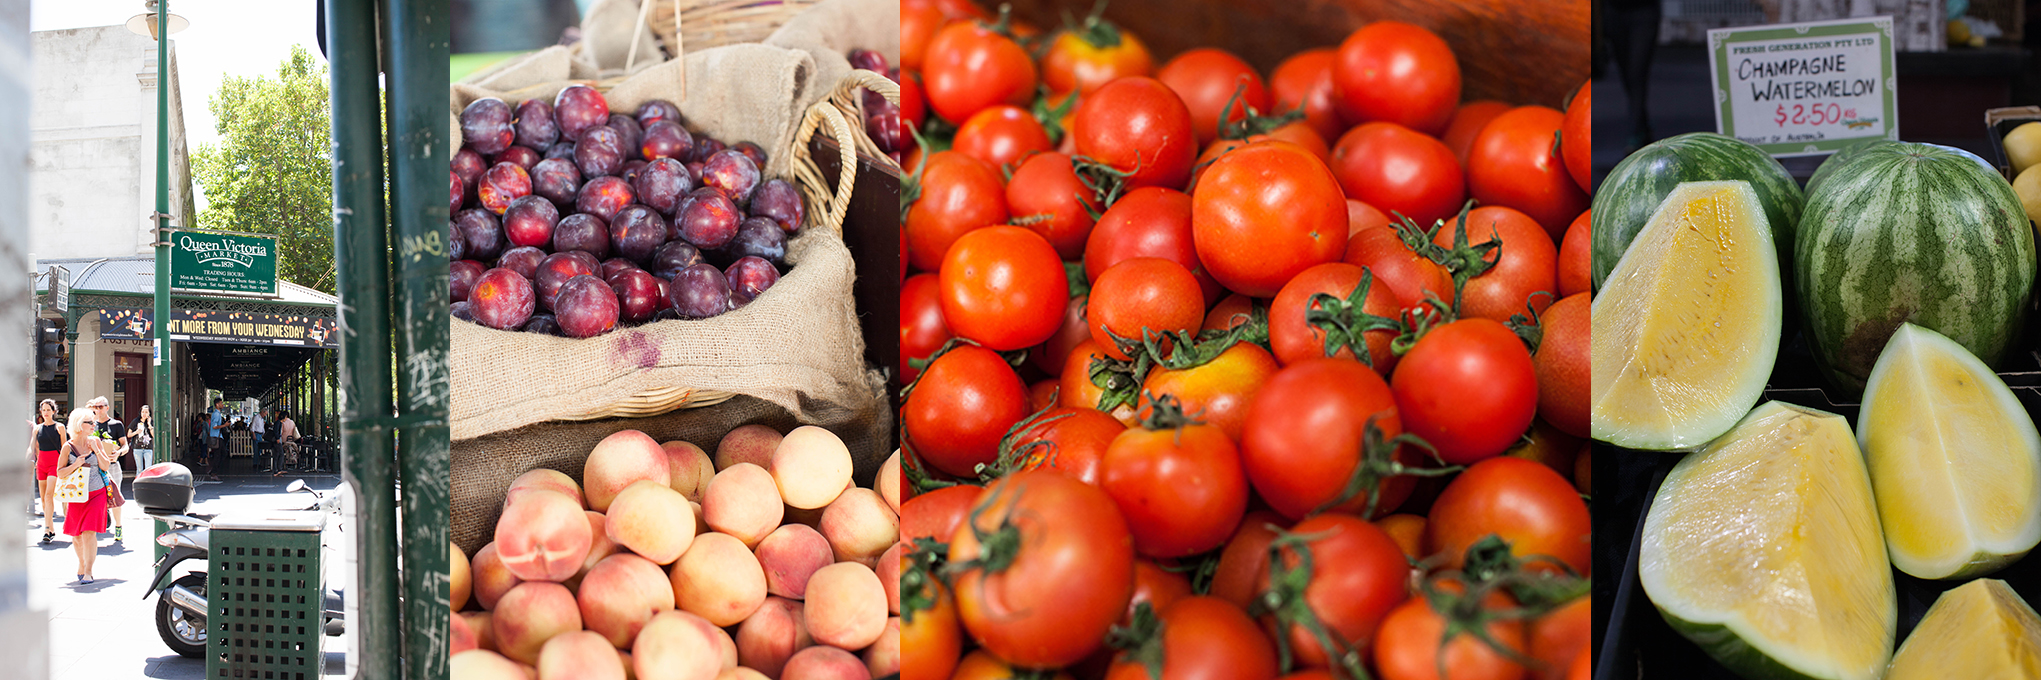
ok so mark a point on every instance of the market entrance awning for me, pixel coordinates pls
(242, 371)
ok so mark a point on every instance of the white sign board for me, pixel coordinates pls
(1804, 89)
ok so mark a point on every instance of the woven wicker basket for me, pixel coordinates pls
(842, 113)
(701, 24)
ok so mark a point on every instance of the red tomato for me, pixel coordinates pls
(1398, 170)
(1139, 126)
(1202, 638)
(1304, 431)
(1583, 666)
(1216, 392)
(922, 330)
(1361, 216)
(1305, 80)
(958, 194)
(1147, 222)
(1001, 135)
(1525, 268)
(1513, 163)
(1358, 575)
(1467, 122)
(1294, 132)
(1414, 646)
(1409, 275)
(1069, 440)
(980, 665)
(1562, 364)
(913, 107)
(1143, 298)
(1560, 636)
(918, 24)
(1546, 444)
(968, 68)
(937, 514)
(1295, 339)
(1042, 394)
(1576, 137)
(1407, 531)
(1207, 79)
(1093, 54)
(1178, 485)
(1003, 287)
(930, 639)
(1234, 310)
(1065, 576)
(1397, 72)
(963, 404)
(1432, 389)
(1245, 561)
(1046, 196)
(1156, 586)
(1576, 254)
(1265, 212)
(1050, 355)
(1524, 502)
(1078, 389)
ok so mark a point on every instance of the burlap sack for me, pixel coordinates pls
(607, 32)
(831, 29)
(483, 468)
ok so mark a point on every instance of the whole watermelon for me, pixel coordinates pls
(1626, 199)
(1902, 232)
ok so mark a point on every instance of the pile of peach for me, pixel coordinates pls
(763, 561)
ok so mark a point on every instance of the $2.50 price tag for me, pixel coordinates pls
(1802, 89)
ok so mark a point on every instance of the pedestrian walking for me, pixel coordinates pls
(115, 433)
(287, 441)
(255, 428)
(85, 520)
(45, 447)
(143, 436)
(215, 436)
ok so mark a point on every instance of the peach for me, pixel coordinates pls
(461, 635)
(460, 577)
(630, 670)
(741, 673)
(690, 468)
(890, 566)
(883, 657)
(617, 461)
(771, 635)
(482, 664)
(822, 662)
(492, 579)
(549, 479)
(859, 526)
(889, 481)
(719, 580)
(752, 444)
(743, 501)
(620, 594)
(846, 606)
(676, 645)
(789, 555)
(652, 520)
(531, 614)
(701, 518)
(579, 655)
(543, 536)
(484, 626)
(808, 517)
(812, 467)
(599, 547)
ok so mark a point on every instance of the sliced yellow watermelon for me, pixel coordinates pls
(1687, 326)
(1981, 629)
(1955, 460)
(1764, 549)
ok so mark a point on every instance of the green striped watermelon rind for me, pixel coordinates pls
(1632, 192)
(1980, 303)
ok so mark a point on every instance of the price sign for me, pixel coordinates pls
(1803, 89)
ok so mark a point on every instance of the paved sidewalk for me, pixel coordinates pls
(107, 629)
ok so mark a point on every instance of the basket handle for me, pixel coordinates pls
(808, 175)
(848, 101)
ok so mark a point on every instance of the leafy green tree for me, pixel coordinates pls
(272, 171)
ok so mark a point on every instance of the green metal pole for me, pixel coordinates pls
(165, 377)
(415, 42)
(360, 244)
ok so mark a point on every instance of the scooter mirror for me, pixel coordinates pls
(296, 486)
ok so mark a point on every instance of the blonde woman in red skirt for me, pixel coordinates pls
(84, 521)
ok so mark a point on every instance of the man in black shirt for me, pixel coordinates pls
(117, 431)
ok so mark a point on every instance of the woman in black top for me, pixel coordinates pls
(49, 438)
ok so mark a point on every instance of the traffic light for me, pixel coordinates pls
(49, 349)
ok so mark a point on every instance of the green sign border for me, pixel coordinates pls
(261, 274)
(1720, 39)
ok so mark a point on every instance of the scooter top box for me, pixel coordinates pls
(164, 488)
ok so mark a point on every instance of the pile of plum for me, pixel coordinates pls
(571, 220)
(882, 118)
